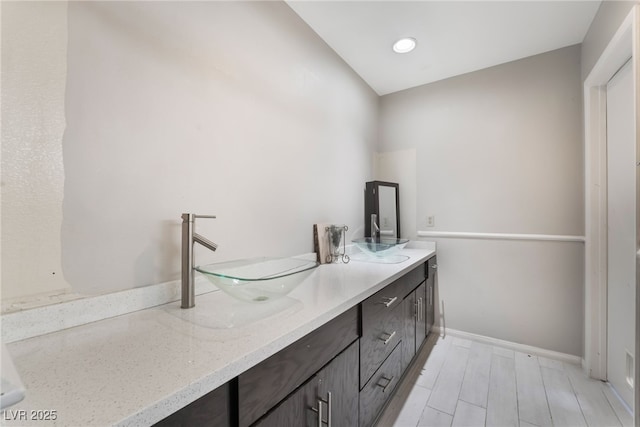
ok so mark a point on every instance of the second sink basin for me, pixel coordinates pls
(380, 246)
(258, 279)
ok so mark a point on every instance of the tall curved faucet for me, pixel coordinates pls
(189, 237)
(375, 230)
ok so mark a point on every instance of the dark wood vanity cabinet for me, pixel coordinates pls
(341, 374)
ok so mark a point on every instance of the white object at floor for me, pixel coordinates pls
(12, 390)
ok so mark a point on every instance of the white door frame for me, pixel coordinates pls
(625, 44)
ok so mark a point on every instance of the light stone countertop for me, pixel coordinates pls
(138, 368)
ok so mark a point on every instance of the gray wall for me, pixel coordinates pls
(500, 151)
(230, 108)
(606, 22)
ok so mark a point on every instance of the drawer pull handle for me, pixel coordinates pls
(434, 266)
(388, 380)
(389, 338)
(388, 301)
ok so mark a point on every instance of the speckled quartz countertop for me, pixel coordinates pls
(138, 368)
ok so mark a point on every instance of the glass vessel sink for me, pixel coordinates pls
(380, 246)
(258, 279)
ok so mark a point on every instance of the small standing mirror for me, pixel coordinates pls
(382, 200)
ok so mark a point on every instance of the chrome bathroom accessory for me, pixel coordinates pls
(189, 237)
(337, 235)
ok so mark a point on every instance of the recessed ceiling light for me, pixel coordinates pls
(404, 45)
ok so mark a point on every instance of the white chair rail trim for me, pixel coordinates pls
(501, 236)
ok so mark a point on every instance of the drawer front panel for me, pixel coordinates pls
(392, 295)
(378, 340)
(263, 386)
(378, 390)
(412, 279)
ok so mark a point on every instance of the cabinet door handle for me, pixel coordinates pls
(434, 266)
(417, 307)
(319, 412)
(388, 380)
(388, 301)
(389, 338)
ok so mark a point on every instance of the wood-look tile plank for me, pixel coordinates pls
(433, 365)
(475, 386)
(468, 415)
(504, 352)
(434, 418)
(532, 399)
(502, 405)
(624, 416)
(462, 342)
(595, 407)
(565, 410)
(447, 388)
(545, 362)
(425, 354)
(412, 407)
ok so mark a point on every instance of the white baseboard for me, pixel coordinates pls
(556, 355)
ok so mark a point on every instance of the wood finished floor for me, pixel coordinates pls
(458, 382)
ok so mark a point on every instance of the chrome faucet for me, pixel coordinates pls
(375, 230)
(189, 237)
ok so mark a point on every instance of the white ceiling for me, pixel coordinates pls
(454, 37)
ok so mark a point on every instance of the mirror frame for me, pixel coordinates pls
(372, 204)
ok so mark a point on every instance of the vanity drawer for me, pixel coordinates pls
(378, 390)
(412, 279)
(263, 386)
(392, 295)
(379, 337)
